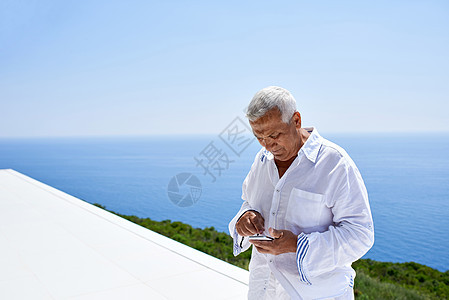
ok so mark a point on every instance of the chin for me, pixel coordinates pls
(280, 157)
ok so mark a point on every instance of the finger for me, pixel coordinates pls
(262, 250)
(275, 233)
(243, 230)
(250, 227)
(258, 223)
(246, 227)
(262, 244)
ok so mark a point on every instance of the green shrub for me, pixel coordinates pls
(368, 288)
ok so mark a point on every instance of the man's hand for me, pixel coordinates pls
(250, 223)
(284, 241)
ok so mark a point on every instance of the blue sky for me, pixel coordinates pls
(87, 68)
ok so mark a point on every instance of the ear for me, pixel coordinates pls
(297, 119)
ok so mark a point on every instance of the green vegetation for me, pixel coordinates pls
(375, 280)
(400, 280)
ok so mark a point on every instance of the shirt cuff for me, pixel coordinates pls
(237, 245)
(302, 246)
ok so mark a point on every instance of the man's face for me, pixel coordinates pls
(281, 139)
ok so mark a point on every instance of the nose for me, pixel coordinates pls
(268, 143)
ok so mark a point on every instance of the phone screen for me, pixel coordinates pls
(260, 238)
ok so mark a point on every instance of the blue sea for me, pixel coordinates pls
(407, 177)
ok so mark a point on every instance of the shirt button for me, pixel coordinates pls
(273, 213)
(271, 260)
(277, 191)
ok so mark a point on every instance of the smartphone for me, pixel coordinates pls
(260, 238)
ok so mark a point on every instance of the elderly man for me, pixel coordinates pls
(307, 194)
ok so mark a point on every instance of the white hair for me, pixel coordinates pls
(268, 98)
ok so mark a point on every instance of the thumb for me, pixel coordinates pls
(275, 233)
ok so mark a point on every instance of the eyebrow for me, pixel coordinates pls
(273, 133)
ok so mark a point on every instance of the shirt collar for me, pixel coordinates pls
(312, 146)
(310, 149)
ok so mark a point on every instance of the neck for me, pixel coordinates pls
(285, 163)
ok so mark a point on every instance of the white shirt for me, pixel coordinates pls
(323, 199)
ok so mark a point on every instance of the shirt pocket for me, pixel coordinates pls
(304, 209)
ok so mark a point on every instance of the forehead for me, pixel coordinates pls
(269, 123)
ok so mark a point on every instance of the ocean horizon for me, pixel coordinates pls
(407, 178)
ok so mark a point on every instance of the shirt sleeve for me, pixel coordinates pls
(301, 251)
(348, 239)
(241, 243)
